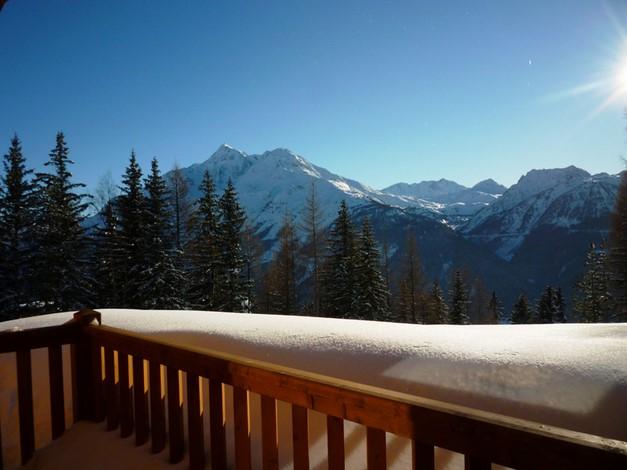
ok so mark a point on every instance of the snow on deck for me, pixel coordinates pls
(568, 375)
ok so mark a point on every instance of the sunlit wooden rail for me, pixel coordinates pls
(138, 400)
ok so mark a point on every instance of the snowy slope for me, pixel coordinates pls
(565, 197)
(567, 375)
(453, 200)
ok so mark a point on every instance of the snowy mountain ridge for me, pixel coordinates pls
(563, 197)
(517, 239)
(274, 183)
(278, 181)
(455, 202)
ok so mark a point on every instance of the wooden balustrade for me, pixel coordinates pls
(133, 404)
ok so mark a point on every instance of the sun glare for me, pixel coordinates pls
(621, 78)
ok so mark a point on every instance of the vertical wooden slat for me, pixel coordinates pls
(269, 447)
(175, 415)
(335, 442)
(300, 438)
(422, 456)
(25, 404)
(126, 405)
(195, 424)
(476, 463)
(375, 445)
(96, 384)
(1, 459)
(111, 393)
(242, 435)
(87, 398)
(140, 402)
(216, 423)
(157, 411)
(57, 401)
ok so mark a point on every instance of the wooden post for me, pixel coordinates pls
(57, 400)
(375, 449)
(422, 456)
(175, 415)
(270, 450)
(140, 400)
(335, 442)
(242, 436)
(86, 372)
(111, 391)
(157, 408)
(25, 404)
(217, 433)
(126, 404)
(195, 424)
(300, 437)
(475, 463)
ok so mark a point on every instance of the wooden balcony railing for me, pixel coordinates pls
(137, 403)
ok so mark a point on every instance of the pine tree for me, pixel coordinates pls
(16, 232)
(280, 282)
(520, 312)
(546, 308)
(266, 297)
(252, 250)
(495, 310)
(203, 248)
(108, 260)
(161, 281)
(592, 302)
(371, 290)
(560, 307)
(131, 208)
(61, 280)
(458, 311)
(617, 258)
(387, 277)
(231, 284)
(313, 248)
(479, 303)
(412, 298)
(437, 310)
(338, 280)
(181, 206)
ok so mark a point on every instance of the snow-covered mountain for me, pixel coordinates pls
(279, 181)
(448, 198)
(564, 197)
(516, 239)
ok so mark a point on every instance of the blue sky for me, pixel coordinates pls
(377, 91)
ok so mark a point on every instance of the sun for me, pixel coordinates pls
(620, 79)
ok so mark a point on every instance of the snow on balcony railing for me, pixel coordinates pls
(458, 387)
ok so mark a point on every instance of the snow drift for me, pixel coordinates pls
(568, 375)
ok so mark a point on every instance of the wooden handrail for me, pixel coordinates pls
(483, 437)
(12, 341)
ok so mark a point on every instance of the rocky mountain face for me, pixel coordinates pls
(516, 239)
(568, 198)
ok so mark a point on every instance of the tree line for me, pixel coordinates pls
(153, 248)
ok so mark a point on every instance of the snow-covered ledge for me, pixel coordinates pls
(567, 375)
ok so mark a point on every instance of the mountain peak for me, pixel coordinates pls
(425, 189)
(536, 181)
(489, 186)
(228, 152)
